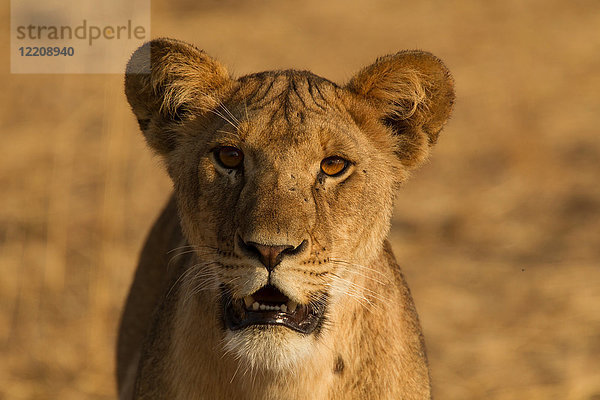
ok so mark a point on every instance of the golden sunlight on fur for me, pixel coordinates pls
(282, 267)
(496, 233)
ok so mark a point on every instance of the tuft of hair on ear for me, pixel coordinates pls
(166, 81)
(412, 93)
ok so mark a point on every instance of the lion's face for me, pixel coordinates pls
(285, 185)
(293, 176)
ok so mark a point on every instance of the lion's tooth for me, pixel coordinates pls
(291, 305)
(248, 300)
(255, 306)
(283, 308)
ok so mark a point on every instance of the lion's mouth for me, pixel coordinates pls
(268, 306)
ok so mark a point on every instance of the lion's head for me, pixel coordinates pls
(285, 182)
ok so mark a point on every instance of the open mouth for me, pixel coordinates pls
(268, 306)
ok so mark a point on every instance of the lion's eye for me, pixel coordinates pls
(333, 166)
(229, 157)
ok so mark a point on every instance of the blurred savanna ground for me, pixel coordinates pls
(499, 235)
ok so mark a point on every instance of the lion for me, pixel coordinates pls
(268, 274)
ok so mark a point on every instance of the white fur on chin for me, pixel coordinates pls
(268, 348)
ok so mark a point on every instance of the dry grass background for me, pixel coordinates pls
(499, 235)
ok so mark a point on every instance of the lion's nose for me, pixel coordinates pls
(271, 255)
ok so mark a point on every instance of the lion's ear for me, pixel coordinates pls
(165, 81)
(413, 93)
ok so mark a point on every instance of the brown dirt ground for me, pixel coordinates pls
(499, 235)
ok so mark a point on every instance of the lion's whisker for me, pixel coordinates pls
(233, 117)
(358, 266)
(360, 288)
(185, 274)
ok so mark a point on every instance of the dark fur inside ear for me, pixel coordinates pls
(166, 81)
(413, 93)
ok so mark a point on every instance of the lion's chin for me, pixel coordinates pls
(268, 348)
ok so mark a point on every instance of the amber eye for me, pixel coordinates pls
(229, 157)
(333, 166)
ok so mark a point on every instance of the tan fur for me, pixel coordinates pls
(370, 345)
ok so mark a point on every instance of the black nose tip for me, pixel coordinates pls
(270, 255)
